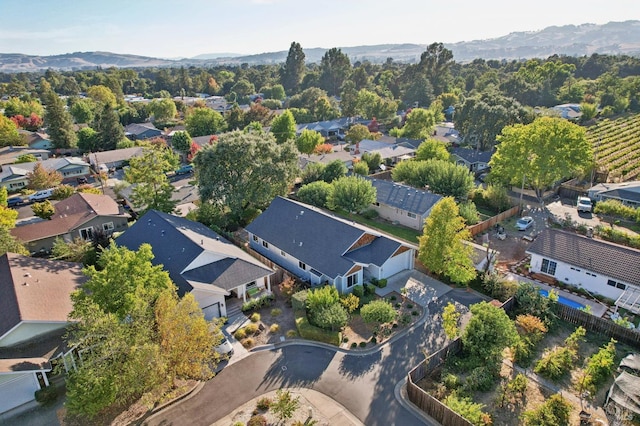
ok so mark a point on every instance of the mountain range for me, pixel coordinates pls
(570, 40)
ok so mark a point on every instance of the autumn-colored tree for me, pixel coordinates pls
(40, 178)
(9, 133)
(325, 148)
(43, 210)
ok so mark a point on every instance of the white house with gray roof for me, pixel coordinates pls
(597, 266)
(14, 176)
(199, 261)
(319, 247)
(626, 192)
(403, 204)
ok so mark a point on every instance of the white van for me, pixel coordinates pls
(41, 195)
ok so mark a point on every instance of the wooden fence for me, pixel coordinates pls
(279, 274)
(598, 325)
(492, 221)
(430, 405)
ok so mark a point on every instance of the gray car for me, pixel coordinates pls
(524, 223)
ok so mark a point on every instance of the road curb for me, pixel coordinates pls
(400, 393)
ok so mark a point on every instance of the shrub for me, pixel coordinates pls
(321, 298)
(369, 289)
(383, 283)
(415, 313)
(240, 334)
(258, 303)
(311, 332)
(398, 305)
(350, 302)
(263, 403)
(288, 287)
(378, 311)
(532, 327)
(358, 291)
(298, 300)
(276, 312)
(480, 379)
(332, 317)
(409, 305)
(258, 420)
(354, 345)
(363, 344)
(369, 214)
(250, 329)
(467, 409)
(451, 381)
(46, 395)
(345, 339)
(373, 340)
(274, 328)
(255, 317)
(248, 342)
(405, 319)
(291, 333)
(554, 411)
(469, 212)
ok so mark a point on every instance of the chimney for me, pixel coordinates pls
(357, 151)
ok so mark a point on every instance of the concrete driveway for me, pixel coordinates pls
(564, 208)
(421, 288)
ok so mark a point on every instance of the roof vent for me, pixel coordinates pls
(300, 243)
(162, 232)
(301, 212)
(27, 274)
(26, 284)
(201, 242)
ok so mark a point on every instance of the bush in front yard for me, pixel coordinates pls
(332, 317)
(299, 300)
(382, 283)
(240, 334)
(311, 332)
(255, 317)
(258, 420)
(258, 303)
(369, 289)
(46, 395)
(358, 291)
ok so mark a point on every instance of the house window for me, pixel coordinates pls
(86, 234)
(302, 266)
(255, 238)
(549, 266)
(593, 275)
(577, 270)
(352, 280)
(265, 244)
(107, 226)
(616, 284)
(412, 215)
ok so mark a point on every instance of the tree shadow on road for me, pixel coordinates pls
(353, 367)
(297, 366)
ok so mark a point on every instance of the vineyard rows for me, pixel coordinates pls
(617, 147)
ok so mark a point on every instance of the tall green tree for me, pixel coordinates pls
(333, 171)
(418, 125)
(87, 140)
(315, 193)
(432, 148)
(442, 177)
(357, 134)
(243, 172)
(442, 249)
(8, 243)
(82, 110)
(204, 121)
(335, 68)
(372, 160)
(488, 332)
(108, 128)
(435, 62)
(551, 147)
(9, 135)
(152, 189)
(181, 142)
(102, 95)
(351, 193)
(308, 141)
(293, 69)
(283, 127)
(450, 317)
(58, 121)
(162, 109)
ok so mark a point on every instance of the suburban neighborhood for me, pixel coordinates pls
(338, 243)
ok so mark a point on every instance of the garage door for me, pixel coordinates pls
(16, 389)
(396, 264)
(212, 311)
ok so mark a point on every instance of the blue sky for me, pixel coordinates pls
(186, 28)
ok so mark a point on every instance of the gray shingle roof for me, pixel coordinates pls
(612, 260)
(472, 155)
(404, 197)
(176, 242)
(319, 239)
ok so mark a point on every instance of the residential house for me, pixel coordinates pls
(114, 158)
(34, 310)
(14, 176)
(36, 140)
(597, 266)
(140, 131)
(391, 153)
(345, 156)
(331, 129)
(473, 159)
(319, 247)
(10, 154)
(82, 216)
(445, 132)
(571, 112)
(403, 204)
(627, 192)
(219, 274)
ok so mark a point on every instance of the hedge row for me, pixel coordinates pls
(311, 332)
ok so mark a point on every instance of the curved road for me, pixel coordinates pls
(364, 384)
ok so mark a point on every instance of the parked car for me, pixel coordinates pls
(81, 180)
(524, 223)
(41, 195)
(186, 169)
(15, 201)
(584, 204)
(224, 348)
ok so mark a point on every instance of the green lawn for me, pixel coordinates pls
(404, 233)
